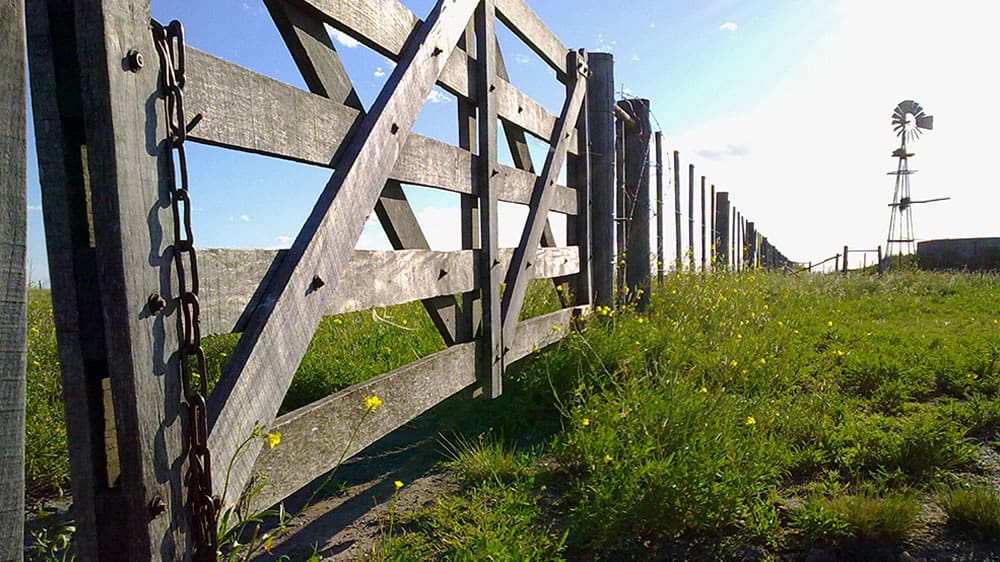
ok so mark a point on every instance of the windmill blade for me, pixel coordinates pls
(915, 109)
(925, 122)
(904, 107)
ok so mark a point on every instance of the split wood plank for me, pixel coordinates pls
(489, 350)
(230, 278)
(541, 199)
(58, 119)
(13, 283)
(316, 58)
(312, 439)
(256, 379)
(524, 23)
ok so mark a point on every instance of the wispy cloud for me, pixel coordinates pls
(379, 72)
(724, 152)
(282, 242)
(635, 58)
(605, 45)
(522, 59)
(245, 218)
(438, 96)
(729, 26)
(344, 39)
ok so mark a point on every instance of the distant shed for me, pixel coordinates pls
(973, 254)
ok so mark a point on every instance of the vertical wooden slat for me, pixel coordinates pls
(600, 107)
(13, 284)
(579, 172)
(659, 207)
(702, 223)
(467, 137)
(678, 242)
(490, 348)
(713, 230)
(722, 229)
(621, 213)
(690, 249)
(637, 183)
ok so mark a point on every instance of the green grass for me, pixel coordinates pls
(975, 509)
(755, 409)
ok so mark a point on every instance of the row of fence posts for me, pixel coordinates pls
(729, 241)
(840, 261)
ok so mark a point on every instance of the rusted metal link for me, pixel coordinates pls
(203, 507)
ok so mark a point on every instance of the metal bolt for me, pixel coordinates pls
(317, 282)
(133, 60)
(155, 303)
(157, 507)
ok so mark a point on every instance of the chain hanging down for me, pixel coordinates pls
(202, 506)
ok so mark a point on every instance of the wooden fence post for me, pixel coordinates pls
(600, 109)
(621, 211)
(749, 246)
(659, 207)
(880, 260)
(722, 229)
(690, 250)
(713, 231)
(703, 224)
(106, 216)
(844, 265)
(677, 212)
(13, 284)
(637, 141)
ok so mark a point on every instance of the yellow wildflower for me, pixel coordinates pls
(641, 320)
(607, 458)
(36, 363)
(398, 484)
(763, 361)
(273, 439)
(829, 323)
(34, 330)
(372, 402)
(703, 390)
(750, 420)
(838, 353)
(268, 541)
(559, 288)
(585, 422)
(337, 321)
(733, 363)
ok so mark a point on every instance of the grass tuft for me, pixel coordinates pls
(974, 510)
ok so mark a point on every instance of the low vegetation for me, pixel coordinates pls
(741, 413)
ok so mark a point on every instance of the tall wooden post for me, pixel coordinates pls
(713, 232)
(102, 129)
(722, 229)
(13, 284)
(732, 239)
(690, 249)
(578, 171)
(703, 224)
(749, 246)
(600, 109)
(637, 140)
(678, 264)
(880, 260)
(621, 212)
(659, 207)
(844, 265)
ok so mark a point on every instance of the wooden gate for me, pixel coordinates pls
(109, 203)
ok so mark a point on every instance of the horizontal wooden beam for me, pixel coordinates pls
(526, 24)
(247, 111)
(230, 278)
(315, 437)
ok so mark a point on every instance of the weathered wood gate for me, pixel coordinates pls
(114, 203)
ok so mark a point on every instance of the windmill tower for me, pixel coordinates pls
(907, 121)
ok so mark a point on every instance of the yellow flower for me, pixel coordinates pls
(829, 323)
(272, 439)
(585, 422)
(838, 353)
(763, 361)
(556, 327)
(739, 336)
(372, 403)
(733, 363)
(337, 321)
(607, 458)
(703, 390)
(224, 354)
(36, 363)
(268, 542)
(34, 330)
(559, 288)
(398, 484)
(641, 320)
(750, 420)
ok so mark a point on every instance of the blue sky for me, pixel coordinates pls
(785, 104)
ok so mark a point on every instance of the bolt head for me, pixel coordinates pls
(134, 60)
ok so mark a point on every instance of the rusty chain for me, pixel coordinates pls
(202, 506)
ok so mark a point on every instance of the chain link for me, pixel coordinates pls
(202, 506)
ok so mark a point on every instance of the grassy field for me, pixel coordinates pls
(742, 416)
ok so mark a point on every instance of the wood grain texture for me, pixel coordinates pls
(130, 216)
(79, 331)
(256, 379)
(314, 437)
(230, 278)
(489, 353)
(600, 101)
(541, 199)
(526, 24)
(317, 60)
(13, 285)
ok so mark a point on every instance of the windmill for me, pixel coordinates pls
(908, 120)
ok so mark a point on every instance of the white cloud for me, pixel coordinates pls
(522, 59)
(729, 26)
(438, 96)
(379, 72)
(282, 242)
(245, 218)
(344, 39)
(635, 58)
(604, 45)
